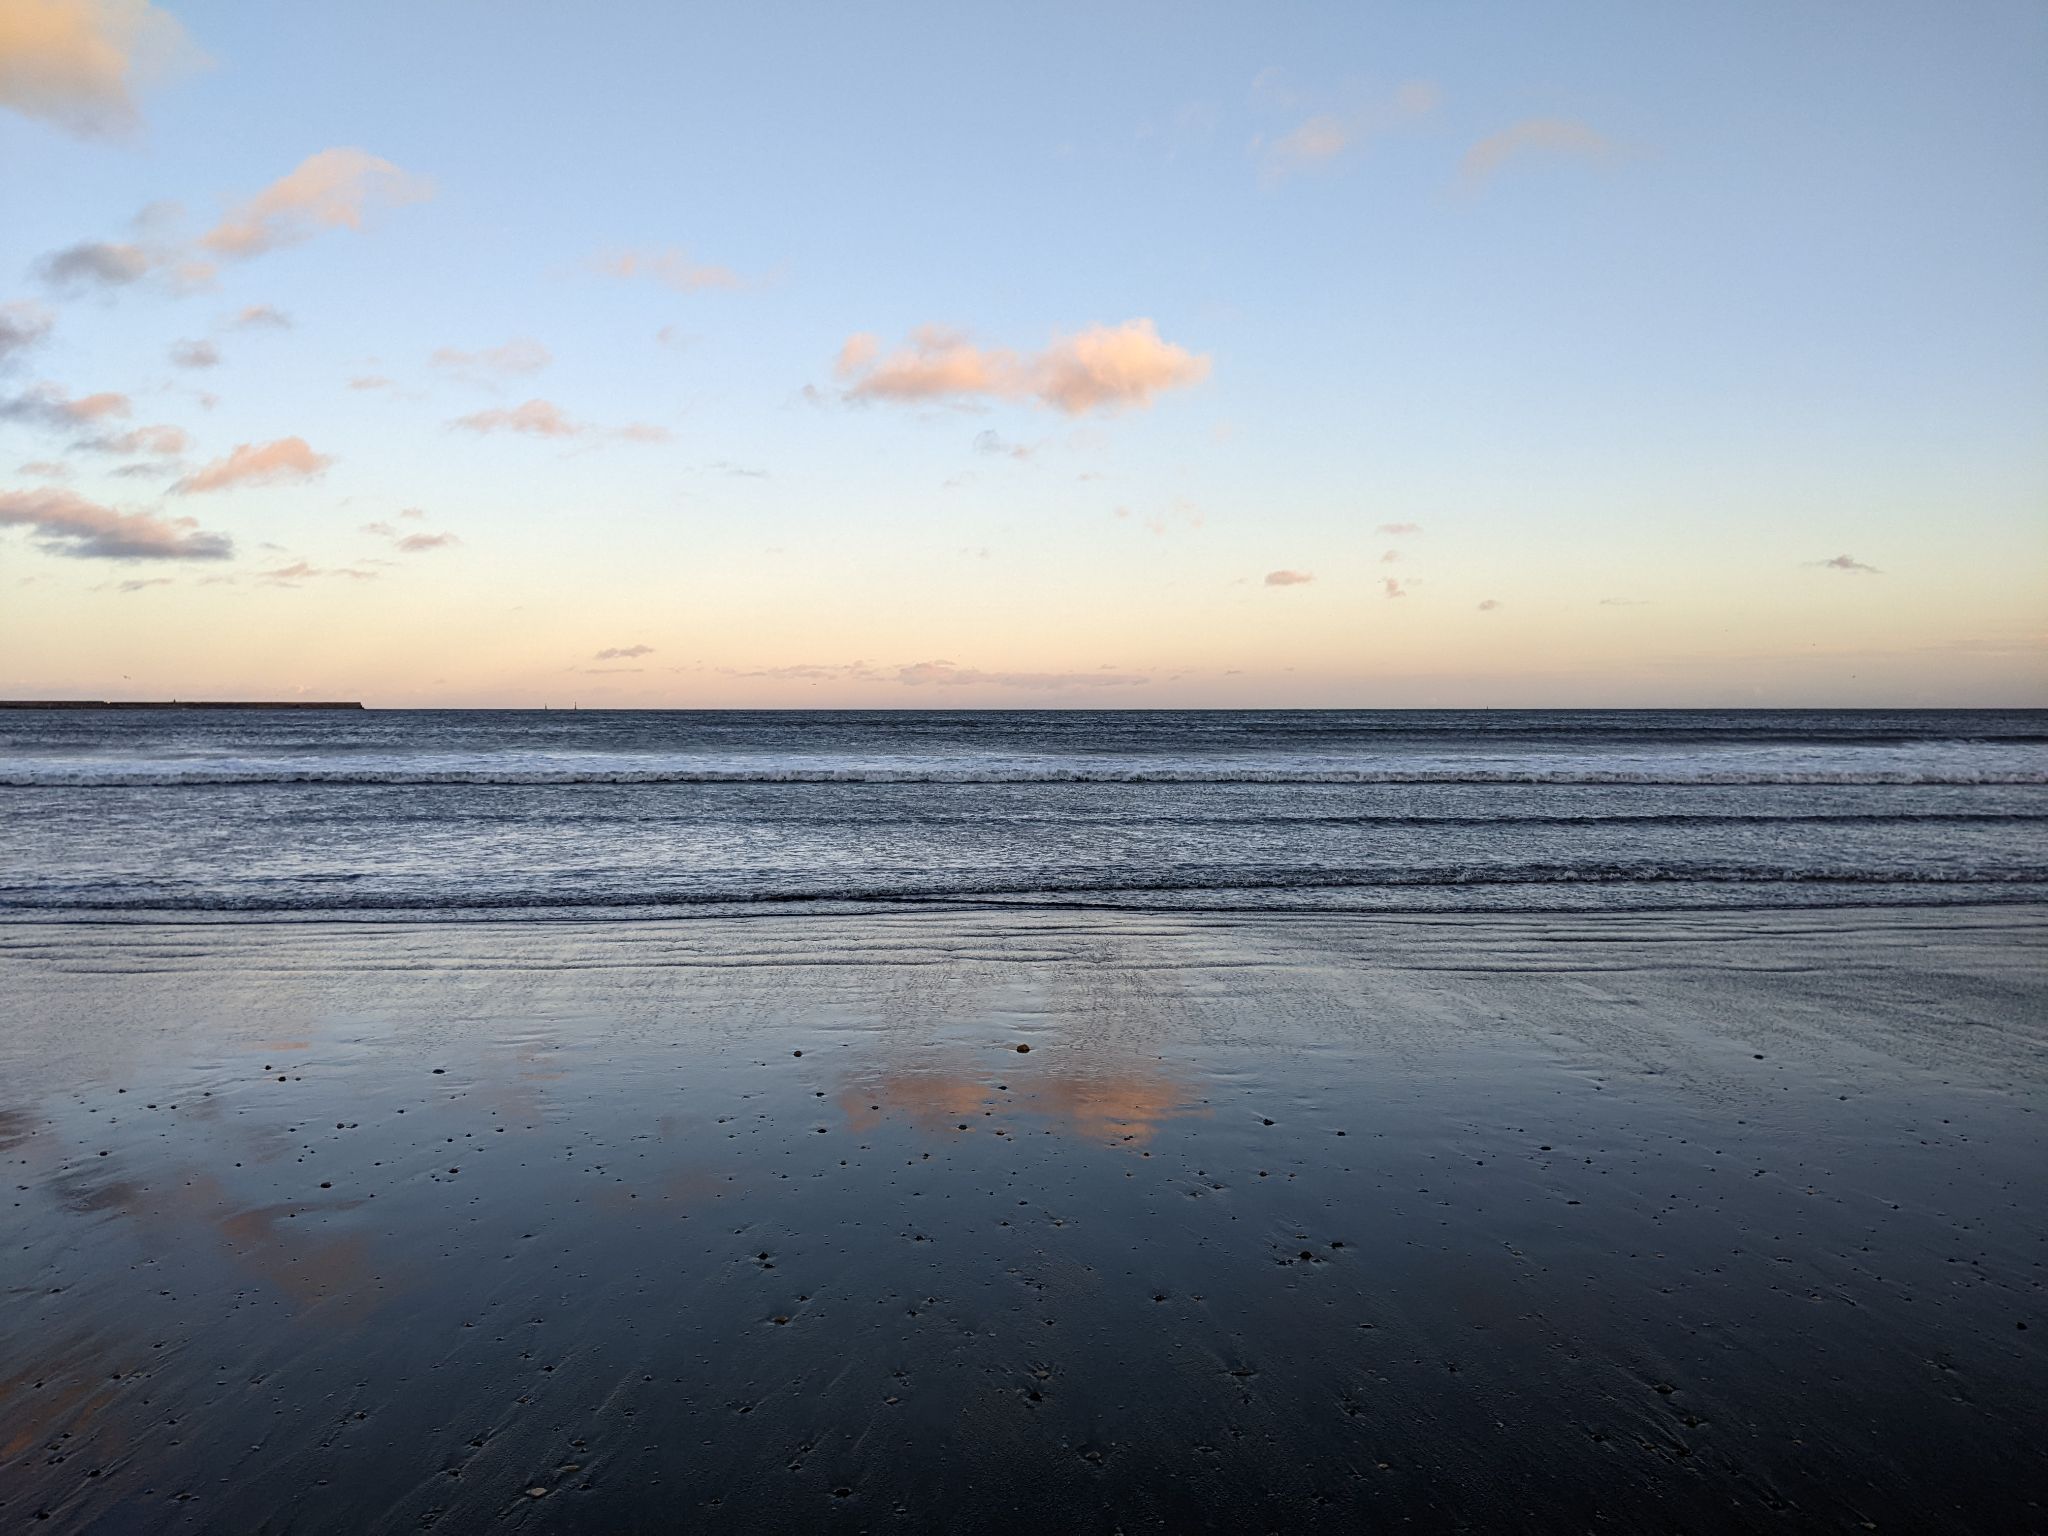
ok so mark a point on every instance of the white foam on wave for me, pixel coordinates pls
(1961, 763)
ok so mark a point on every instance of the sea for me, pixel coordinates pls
(395, 815)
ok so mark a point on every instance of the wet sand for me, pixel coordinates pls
(1698, 1223)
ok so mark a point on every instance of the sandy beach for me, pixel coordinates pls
(1027, 1221)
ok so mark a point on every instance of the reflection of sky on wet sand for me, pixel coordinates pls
(280, 1243)
(1082, 1094)
(62, 1390)
(723, 1234)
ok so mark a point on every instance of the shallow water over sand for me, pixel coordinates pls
(1282, 1223)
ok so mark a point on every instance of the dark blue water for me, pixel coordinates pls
(535, 813)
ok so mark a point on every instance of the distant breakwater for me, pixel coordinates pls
(177, 704)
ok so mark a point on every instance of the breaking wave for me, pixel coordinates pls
(1925, 764)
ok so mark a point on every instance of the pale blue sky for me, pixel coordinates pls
(1764, 287)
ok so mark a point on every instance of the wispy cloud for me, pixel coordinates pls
(1537, 137)
(161, 441)
(996, 445)
(544, 418)
(299, 571)
(23, 326)
(370, 381)
(1329, 137)
(88, 421)
(520, 355)
(96, 264)
(672, 268)
(411, 543)
(1392, 587)
(50, 405)
(261, 317)
(280, 462)
(1105, 368)
(1489, 604)
(44, 469)
(811, 672)
(1390, 557)
(1289, 578)
(944, 674)
(195, 354)
(1396, 530)
(535, 418)
(1848, 564)
(76, 63)
(937, 674)
(334, 189)
(143, 583)
(65, 523)
(623, 653)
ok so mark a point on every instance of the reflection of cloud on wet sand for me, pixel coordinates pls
(61, 1391)
(1117, 1100)
(305, 1266)
(514, 1086)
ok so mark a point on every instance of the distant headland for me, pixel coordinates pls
(175, 704)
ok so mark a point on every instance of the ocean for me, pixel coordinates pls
(1023, 1121)
(540, 814)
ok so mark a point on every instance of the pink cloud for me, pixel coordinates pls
(535, 418)
(334, 189)
(1392, 587)
(1328, 136)
(1538, 136)
(671, 268)
(65, 523)
(1289, 578)
(273, 463)
(261, 317)
(522, 354)
(1396, 530)
(49, 405)
(291, 575)
(1102, 368)
(161, 441)
(76, 63)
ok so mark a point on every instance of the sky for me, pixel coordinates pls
(1092, 355)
